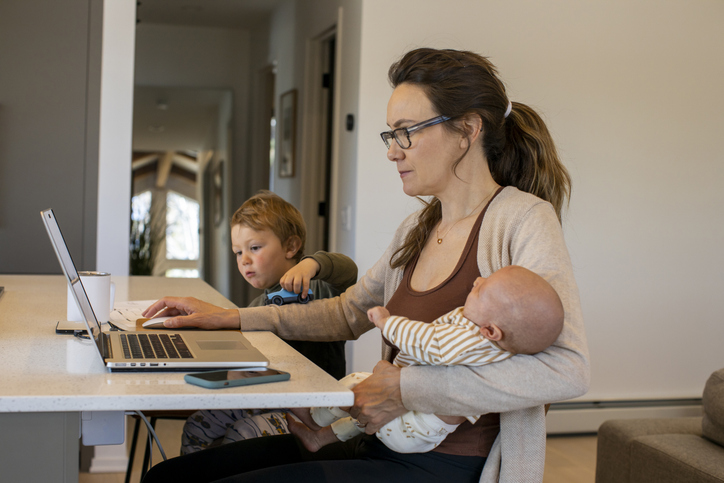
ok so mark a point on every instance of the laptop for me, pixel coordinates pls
(157, 350)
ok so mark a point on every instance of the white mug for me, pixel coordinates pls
(101, 293)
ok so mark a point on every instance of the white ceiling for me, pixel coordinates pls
(174, 118)
(233, 14)
(178, 119)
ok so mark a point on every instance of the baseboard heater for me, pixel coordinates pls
(579, 417)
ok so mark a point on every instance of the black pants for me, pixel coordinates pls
(282, 458)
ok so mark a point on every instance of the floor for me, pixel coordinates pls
(569, 459)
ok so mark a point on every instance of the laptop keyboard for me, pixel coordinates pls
(154, 346)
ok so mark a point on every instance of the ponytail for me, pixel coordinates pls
(529, 160)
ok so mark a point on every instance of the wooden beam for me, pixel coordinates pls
(186, 162)
(164, 169)
(143, 160)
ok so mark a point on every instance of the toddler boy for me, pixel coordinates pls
(267, 237)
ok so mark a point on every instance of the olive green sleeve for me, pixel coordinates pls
(336, 269)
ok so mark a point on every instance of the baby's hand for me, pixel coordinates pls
(297, 278)
(378, 316)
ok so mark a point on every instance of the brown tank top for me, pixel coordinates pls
(468, 439)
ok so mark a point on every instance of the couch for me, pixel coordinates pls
(667, 450)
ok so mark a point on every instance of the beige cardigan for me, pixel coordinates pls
(518, 229)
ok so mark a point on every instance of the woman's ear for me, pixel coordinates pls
(293, 244)
(473, 127)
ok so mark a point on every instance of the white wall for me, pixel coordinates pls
(294, 24)
(171, 55)
(281, 55)
(631, 91)
(114, 163)
(116, 122)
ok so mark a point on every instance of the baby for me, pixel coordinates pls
(514, 311)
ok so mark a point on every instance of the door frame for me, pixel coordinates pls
(317, 179)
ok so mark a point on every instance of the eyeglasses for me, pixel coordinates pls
(402, 135)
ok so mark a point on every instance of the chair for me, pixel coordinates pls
(153, 416)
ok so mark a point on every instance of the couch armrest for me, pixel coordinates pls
(713, 405)
(676, 458)
(616, 436)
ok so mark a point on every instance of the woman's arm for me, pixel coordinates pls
(338, 318)
(531, 238)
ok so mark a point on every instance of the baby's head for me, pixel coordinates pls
(267, 237)
(516, 308)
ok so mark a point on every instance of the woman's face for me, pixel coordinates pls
(425, 167)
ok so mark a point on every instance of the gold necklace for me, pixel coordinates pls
(437, 230)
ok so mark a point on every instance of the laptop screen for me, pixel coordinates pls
(71, 274)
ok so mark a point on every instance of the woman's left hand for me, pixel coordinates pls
(378, 399)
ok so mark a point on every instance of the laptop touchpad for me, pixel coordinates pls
(216, 345)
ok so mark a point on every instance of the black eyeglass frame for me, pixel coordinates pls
(387, 136)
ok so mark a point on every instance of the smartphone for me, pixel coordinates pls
(236, 377)
(68, 327)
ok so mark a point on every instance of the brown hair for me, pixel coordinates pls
(268, 211)
(519, 149)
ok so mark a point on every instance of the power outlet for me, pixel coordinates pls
(103, 427)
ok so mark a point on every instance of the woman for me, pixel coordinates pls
(497, 190)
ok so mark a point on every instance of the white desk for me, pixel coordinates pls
(48, 379)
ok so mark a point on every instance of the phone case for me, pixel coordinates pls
(67, 327)
(195, 378)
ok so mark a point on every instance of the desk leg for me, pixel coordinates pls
(40, 447)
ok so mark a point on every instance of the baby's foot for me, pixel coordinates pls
(313, 440)
(305, 416)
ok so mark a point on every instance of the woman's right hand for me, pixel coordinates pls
(192, 312)
(377, 399)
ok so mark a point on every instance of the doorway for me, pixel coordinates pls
(177, 134)
(317, 175)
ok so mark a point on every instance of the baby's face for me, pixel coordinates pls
(475, 307)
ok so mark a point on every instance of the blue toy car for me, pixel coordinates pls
(282, 297)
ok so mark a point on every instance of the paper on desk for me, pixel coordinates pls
(126, 314)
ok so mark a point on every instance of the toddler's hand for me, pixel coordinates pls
(297, 278)
(378, 316)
